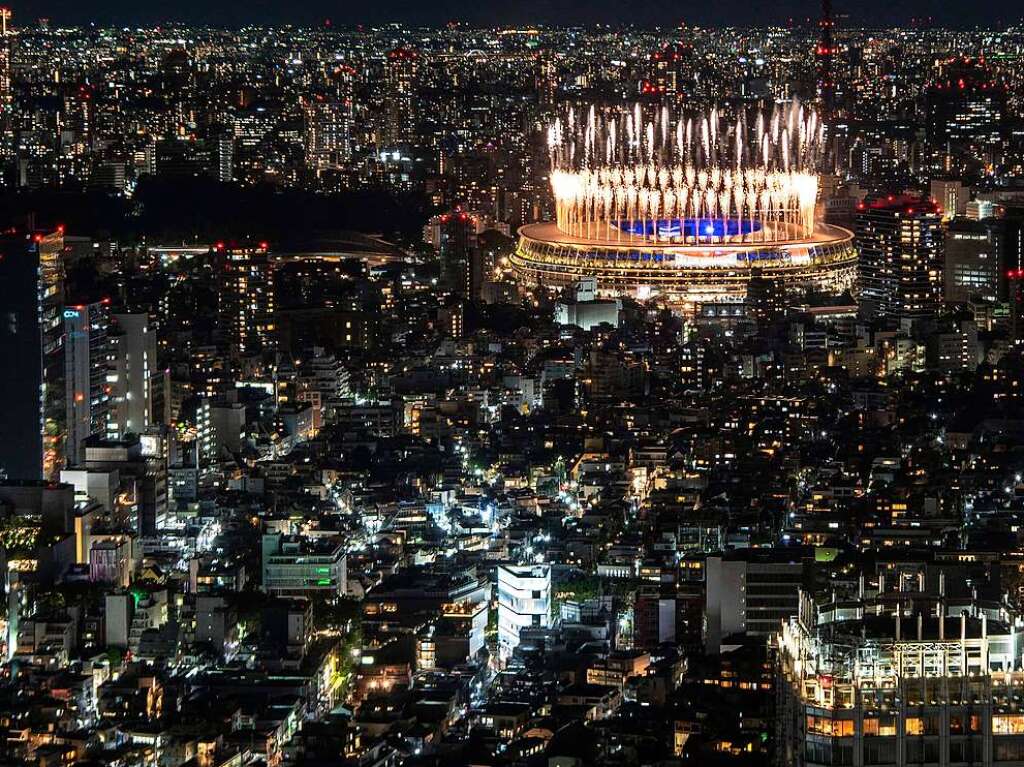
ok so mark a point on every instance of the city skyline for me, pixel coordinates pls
(646, 13)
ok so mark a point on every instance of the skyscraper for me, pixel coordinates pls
(974, 260)
(966, 112)
(132, 362)
(459, 251)
(400, 71)
(327, 131)
(6, 94)
(31, 342)
(246, 296)
(86, 353)
(900, 243)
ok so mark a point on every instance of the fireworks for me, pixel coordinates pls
(627, 175)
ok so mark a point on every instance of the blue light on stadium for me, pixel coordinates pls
(684, 228)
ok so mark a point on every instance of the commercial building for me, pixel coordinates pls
(900, 678)
(524, 601)
(86, 361)
(294, 566)
(974, 261)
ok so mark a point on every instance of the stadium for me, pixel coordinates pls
(685, 210)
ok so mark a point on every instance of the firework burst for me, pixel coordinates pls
(630, 175)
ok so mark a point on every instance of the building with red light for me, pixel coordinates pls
(965, 112)
(245, 296)
(400, 70)
(465, 265)
(900, 241)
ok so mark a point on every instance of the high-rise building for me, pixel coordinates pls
(900, 244)
(462, 270)
(6, 40)
(524, 601)
(966, 110)
(31, 342)
(327, 131)
(825, 59)
(246, 296)
(400, 70)
(86, 361)
(1015, 278)
(974, 260)
(546, 80)
(132, 365)
(950, 195)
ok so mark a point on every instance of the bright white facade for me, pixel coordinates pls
(524, 601)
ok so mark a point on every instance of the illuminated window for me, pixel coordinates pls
(1008, 724)
(822, 725)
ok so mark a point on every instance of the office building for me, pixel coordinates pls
(950, 195)
(900, 678)
(86, 362)
(966, 111)
(973, 255)
(132, 365)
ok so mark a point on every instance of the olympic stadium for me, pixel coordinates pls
(685, 210)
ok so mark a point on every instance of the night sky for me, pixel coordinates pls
(960, 13)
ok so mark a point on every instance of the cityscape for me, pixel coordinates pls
(517, 395)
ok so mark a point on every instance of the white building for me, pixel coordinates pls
(132, 363)
(587, 311)
(524, 601)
